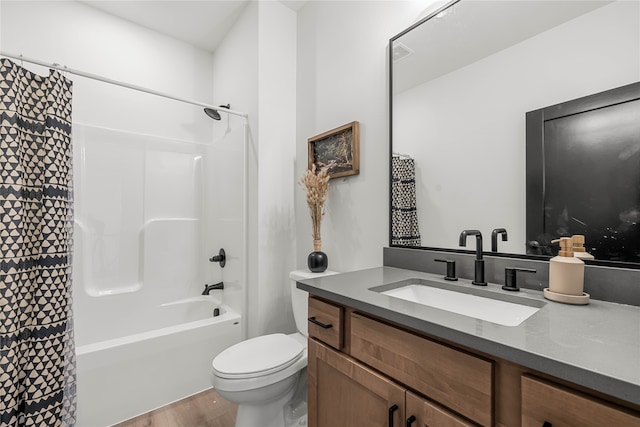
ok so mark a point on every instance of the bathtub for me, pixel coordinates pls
(121, 377)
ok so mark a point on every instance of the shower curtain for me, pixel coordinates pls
(37, 354)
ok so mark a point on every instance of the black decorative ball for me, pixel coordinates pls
(317, 261)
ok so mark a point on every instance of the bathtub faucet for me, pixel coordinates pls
(209, 288)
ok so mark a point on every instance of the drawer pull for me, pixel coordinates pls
(411, 420)
(393, 409)
(547, 424)
(322, 325)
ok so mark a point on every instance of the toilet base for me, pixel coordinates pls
(268, 415)
(248, 417)
(296, 410)
(285, 417)
(289, 409)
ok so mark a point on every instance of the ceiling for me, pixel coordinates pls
(202, 23)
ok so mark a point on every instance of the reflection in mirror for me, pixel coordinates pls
(462, 83)
(576, 152)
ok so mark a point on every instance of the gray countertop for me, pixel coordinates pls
(595, 345)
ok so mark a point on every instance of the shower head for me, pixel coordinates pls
(213, 113)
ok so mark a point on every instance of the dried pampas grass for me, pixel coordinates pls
(317, 187)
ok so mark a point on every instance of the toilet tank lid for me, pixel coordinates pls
(306, 274)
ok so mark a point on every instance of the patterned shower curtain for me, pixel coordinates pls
(37, 354)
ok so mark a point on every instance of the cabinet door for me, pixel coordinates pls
(430, 414)
(344, 393)
(545, 404)
(457, 380)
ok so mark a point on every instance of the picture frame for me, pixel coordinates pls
(337, 149)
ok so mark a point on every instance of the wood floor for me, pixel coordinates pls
(206, 409)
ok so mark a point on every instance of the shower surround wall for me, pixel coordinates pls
(146, 208)
(148, 212)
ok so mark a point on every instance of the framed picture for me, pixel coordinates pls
(337, 150)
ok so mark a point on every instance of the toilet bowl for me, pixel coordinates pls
(266, 375)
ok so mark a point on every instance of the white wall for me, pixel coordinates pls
(235, 70)
(277, 133)
(254, 69)
(342, 77)
(235, 81)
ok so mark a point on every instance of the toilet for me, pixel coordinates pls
(266, 375)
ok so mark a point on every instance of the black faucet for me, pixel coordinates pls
(451, 269)
(209, 288)
(494, 238)
(479, 263)
(510, 283)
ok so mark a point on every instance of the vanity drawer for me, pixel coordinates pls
(326, 322)
(544, 403)
(457, 380)
(427, 413)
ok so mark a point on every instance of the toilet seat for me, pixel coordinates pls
(258, 357)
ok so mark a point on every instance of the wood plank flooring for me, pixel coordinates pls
(206, 409)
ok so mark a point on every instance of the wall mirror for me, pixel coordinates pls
(462, 82)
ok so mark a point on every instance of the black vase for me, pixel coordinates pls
(317, 261)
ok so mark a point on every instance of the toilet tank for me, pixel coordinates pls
(299, 297)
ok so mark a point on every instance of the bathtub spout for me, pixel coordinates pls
(209, 288)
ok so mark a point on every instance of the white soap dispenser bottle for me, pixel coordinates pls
(566, 272)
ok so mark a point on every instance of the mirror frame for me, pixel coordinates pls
(602, 263)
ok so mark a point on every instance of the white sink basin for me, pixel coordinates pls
(479, 307)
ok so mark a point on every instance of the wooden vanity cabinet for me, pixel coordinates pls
(362, 370)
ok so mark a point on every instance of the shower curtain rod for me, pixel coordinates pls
(119, 83)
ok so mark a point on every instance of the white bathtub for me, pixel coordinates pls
(119, 378)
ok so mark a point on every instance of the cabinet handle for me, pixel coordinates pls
(322, 325)
(547, 424)
(411, 420)
(393, 409)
